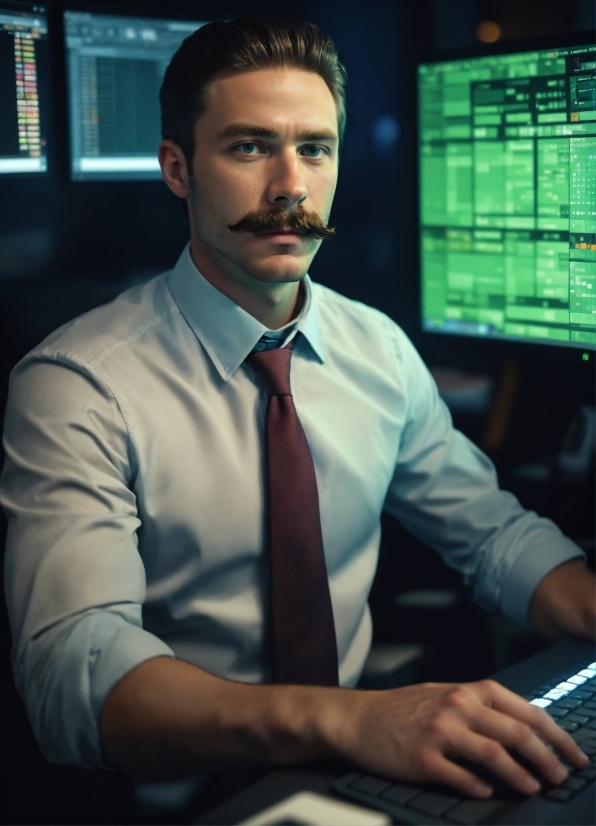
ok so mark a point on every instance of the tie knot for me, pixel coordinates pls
(274, 367)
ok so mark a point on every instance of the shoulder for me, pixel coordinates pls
(360, 323)
(87, 340)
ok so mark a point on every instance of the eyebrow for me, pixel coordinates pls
(247, 129)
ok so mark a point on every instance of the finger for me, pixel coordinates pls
(493, 756)
(438, 769)
(555, 736)
(520, 736)
(505, 701)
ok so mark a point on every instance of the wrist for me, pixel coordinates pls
(300, 723)
(335, 721)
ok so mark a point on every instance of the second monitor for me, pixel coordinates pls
(507, 143)
(115, 69)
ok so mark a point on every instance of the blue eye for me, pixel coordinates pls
(313, 151)
(246, 148)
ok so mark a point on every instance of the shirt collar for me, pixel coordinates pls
(227, 332)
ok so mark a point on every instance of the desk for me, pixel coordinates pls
(274, 787)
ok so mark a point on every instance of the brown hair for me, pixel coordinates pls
(240, 45)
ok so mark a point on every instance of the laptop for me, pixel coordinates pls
(562, 680)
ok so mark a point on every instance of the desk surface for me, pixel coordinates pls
(273, 788)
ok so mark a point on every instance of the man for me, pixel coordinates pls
(144, 504)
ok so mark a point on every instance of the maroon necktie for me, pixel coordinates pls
(304, 648)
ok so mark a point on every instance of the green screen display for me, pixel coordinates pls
(507, 148)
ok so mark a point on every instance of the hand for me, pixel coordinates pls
(564, 603)
(417, 733)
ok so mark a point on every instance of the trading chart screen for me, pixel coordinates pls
(507, 149)
(23, 46)
(115, 70)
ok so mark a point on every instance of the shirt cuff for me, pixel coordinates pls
(101, 649)
(528, 571)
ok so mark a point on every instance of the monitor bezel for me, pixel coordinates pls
(489, 346)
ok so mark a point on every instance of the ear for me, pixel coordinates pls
(173, 168)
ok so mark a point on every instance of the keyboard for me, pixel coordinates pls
(569, 696)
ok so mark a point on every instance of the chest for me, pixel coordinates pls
(200, 449)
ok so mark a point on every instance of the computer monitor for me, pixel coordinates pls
(507, 193)
(23, 65)
(115, 69)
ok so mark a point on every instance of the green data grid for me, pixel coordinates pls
(508, 196)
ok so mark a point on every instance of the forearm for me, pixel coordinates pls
(166, 719)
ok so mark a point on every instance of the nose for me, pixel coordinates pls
(286, 187)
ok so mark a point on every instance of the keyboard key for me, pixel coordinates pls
(560, 795)
(565, 686)
(555, 694)
(400, 794)
(370, 785)
(433, 804)
(588, 712)
(557, 712)
(567, 726)
(581, 694)
(587, 774)
(591, 703)
(592, 724)
(473, 811)
(574, 784)
(577, 717)
(587, 672)
(569, 703)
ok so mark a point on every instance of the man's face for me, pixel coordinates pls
(267, 143)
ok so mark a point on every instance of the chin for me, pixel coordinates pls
(278, 272)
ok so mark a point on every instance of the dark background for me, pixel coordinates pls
(66, 247)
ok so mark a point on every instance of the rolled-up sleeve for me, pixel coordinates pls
(75, 582)
(445, 491)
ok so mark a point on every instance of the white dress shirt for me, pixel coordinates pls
(134, 489)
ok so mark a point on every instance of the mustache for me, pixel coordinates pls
(307, 223)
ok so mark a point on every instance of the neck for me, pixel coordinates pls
(272, 304)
